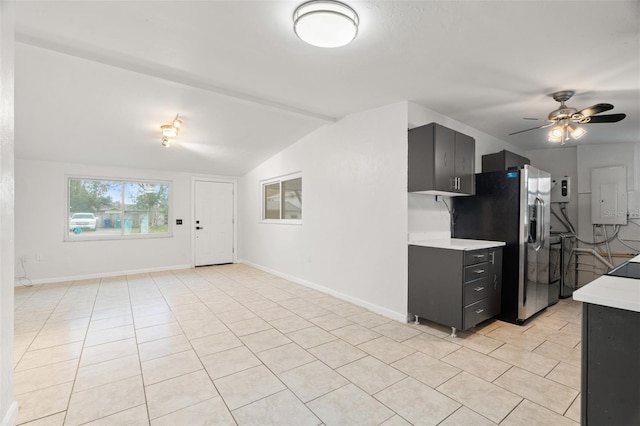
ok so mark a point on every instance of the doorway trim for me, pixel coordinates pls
(192, 221)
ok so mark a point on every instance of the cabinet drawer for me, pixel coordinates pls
(476, 256)
(476, 313)
(475, 272)
(476, 290)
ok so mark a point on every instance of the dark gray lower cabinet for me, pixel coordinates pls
(457, 288)
(610, 366)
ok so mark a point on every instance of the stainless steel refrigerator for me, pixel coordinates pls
(512, 206)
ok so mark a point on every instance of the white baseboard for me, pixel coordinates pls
(12, 415)
(356, 301)
(103, 275)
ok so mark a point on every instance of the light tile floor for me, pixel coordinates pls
(234, 345)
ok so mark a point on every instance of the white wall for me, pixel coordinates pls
(425, 215)
(41, 217)
(560, 162)
(577, 162)
(356, 210)
(607, 155)
(8, 405)
(353, 240)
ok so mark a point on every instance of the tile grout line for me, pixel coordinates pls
(135, 334)
(82, 351)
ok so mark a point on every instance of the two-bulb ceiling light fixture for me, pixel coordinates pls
(325, 23)
(170, 131)
(563, 129)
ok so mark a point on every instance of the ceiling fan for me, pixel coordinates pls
(563, 118)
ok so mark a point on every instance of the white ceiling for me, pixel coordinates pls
(247, 87)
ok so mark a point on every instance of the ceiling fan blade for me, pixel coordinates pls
(595, 109)
(610, 118)
(533, 128)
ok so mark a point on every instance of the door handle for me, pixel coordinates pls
(199, 227)
(540, 222)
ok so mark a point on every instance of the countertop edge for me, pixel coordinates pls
(612, 292)
(458, 244)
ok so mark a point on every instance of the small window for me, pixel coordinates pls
(113, 209)
(282, 199)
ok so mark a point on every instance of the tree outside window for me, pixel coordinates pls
(114, 209)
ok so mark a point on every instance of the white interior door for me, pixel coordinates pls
(213, 223)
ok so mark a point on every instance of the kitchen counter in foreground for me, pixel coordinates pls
(610, 351)
(457, 244)
(612, 292)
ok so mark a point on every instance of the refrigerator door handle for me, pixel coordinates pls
(540, 223)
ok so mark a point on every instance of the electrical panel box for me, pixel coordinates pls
(633, 204)
(609, 196)
(560, 189)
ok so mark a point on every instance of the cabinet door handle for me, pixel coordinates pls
(493, 257)
(478, 288)
(479, 271)
(479, 311)
(478, 256)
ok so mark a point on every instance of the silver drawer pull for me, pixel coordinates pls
(479, 271)
(479, 288)
(478, 256)
(479, 311)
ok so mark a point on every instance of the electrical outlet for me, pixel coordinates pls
(38, 258)
(598, 231)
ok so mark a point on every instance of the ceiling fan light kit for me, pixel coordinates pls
(325, 23)
(562, 119)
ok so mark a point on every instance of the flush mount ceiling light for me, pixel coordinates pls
(170, 130)
(325, 23)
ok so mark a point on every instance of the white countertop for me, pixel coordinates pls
(457, 244)
(614, 292)
(635, 259)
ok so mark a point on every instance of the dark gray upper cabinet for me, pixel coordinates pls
(465, 163)
(441, 161)
(503, 160)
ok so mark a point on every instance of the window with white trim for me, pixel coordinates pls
(114, 209)
(282, 199)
